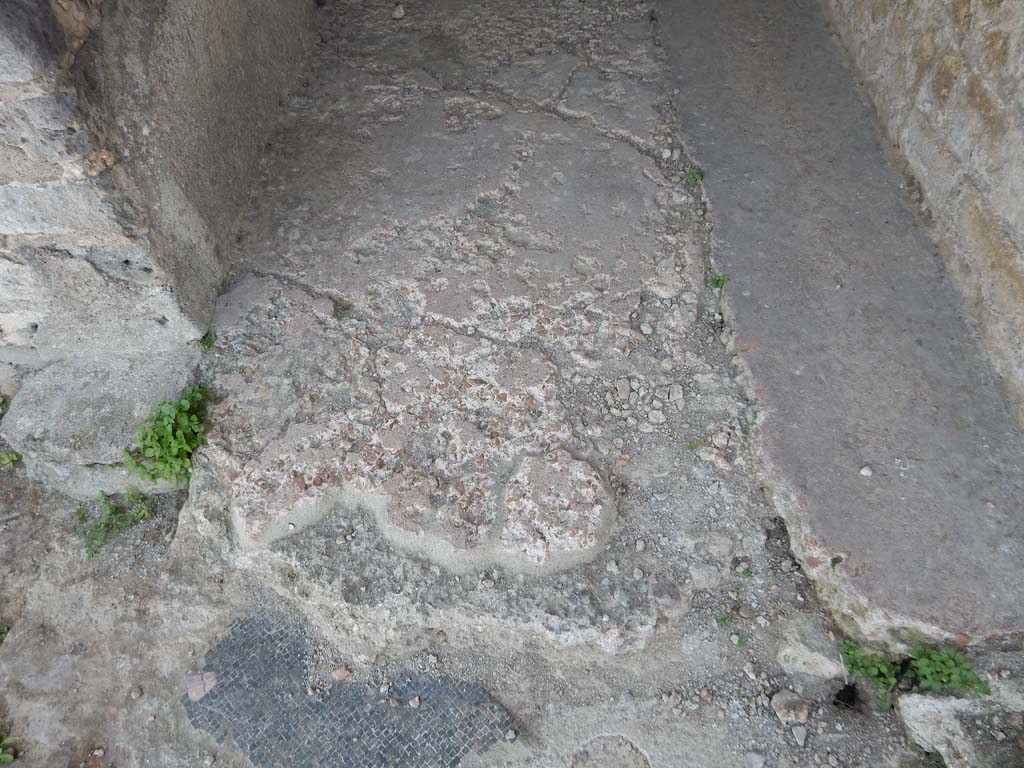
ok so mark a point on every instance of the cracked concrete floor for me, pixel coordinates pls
(477, 420)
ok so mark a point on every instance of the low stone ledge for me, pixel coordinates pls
(85, 481)
(85, 413)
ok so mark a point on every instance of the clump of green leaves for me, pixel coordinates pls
(166, 440)
(8, 459)
(940, 670)
(94, 531)
(694, 176)
(695, 445)
(718, 281)
(878, 669)
(929, 669)
(206, 343)
(3, 632)
(7, 753)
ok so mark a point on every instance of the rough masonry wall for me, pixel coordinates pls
(129, 133)
(947, 77)
(76, 276)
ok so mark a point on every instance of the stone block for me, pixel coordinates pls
(970, 732)
(108, 299)
(29, 40)
(41, 140)
(56, 208)
(86, 411)
(25, 302)
(85, 481)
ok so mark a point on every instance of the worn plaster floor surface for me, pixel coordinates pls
(480, 488)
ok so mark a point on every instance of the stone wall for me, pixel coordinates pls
(947, 77)
(186, 92)
(130, 131)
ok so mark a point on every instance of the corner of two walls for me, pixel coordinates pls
(130, 134)
(947, 79)
(185, 92)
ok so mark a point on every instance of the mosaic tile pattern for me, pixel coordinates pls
(259, 696)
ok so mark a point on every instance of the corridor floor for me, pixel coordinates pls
(483, 484)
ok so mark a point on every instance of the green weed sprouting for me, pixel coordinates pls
(878, 669)
(8, 459)
(928, 669)
(94, 531)
(718, 281)
(7, 753)
(938, 670)
(166, 440)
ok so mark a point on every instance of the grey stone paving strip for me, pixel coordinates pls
(899, 465)
(253, 687)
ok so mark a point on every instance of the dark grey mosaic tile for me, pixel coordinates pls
(260, 698)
